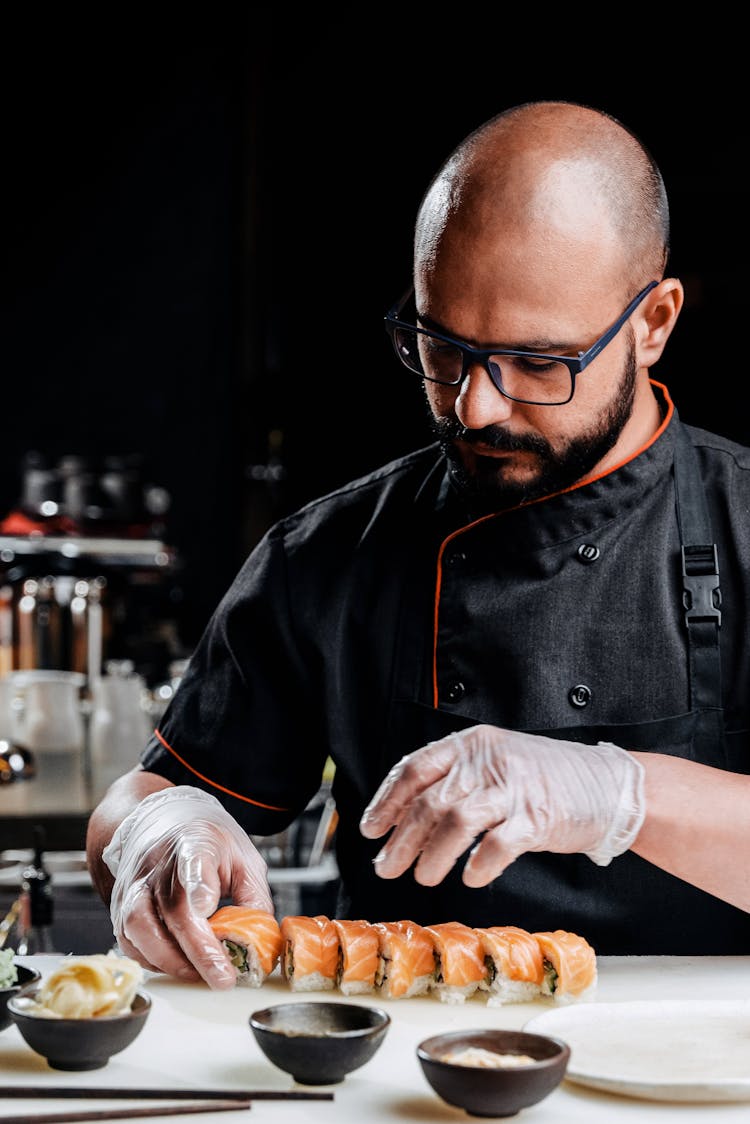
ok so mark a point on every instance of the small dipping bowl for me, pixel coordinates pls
(319, 1043)
(26, 976)
(77, 1044)
(493, 1090)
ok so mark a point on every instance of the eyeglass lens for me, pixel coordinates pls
(522, 377)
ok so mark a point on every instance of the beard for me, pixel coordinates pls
(485, 489)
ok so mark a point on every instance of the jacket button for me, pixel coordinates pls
(580, 695)
(587, 552)
(455, 692)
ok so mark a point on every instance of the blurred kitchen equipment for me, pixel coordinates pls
(324, 832)
(6, 630)
(16, 762)
(47, 716)
(120, 725)
(48, 723)
(7, 695)
(160, 696)
(86, 573)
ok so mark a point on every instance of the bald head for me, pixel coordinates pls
(557, 177)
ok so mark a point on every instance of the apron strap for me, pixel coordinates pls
(701, 597)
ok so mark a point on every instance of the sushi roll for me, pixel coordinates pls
(515, 965)
(310, 953)
(460, 965)
(252, 939)
(570, 970)
(407, 959)
(358, 956)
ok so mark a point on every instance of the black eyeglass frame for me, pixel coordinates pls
(472, 355)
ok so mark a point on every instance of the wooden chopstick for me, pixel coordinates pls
(93, 1092)
(126, 1113)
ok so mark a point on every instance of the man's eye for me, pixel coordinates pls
(440, 348)
(535, 363)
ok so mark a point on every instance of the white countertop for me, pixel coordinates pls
(198, 1038)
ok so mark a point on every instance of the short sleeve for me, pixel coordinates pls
(243, 723)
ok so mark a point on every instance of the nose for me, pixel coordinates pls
(479, 402)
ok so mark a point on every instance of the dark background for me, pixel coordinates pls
(206, 218)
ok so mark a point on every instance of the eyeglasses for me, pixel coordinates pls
(523, 376)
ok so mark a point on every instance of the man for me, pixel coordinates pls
(523, 646)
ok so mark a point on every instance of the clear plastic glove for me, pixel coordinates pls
(176, 854)
(518, 792)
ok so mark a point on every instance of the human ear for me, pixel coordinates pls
(658, 317)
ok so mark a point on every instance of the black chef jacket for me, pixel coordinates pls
(377, 619)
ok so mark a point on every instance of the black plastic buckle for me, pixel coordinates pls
(700, 577)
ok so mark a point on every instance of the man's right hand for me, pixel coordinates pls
(173, 858)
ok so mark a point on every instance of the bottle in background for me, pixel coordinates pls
(37, 905)
(119, 727)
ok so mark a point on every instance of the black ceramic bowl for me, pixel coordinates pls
(25, 976)
(319, 1043)
(77, 1044)
(491, 1091)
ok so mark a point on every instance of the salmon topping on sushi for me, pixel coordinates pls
(407, 959)
(400, 959)
(515, 964)
(310, 953)
(459, 960)
(569, 965)
(252, 939)
(359, 956)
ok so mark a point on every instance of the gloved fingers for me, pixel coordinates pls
(174, 857)
(249, 883)
(189, 948)
(155, 915)
(195, 879)
(203, 874)
(436, 834)
(455, 831)
(406, 841)
(141, 928)
(405, 781)
(241, 875)
(187, 893)
(129, 950)
(498, 848)
(207, 954)
(522, 792)
(408, 779)
(218, 866)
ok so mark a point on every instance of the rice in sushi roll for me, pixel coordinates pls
(515, 965)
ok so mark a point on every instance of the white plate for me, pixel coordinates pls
(680, 1050)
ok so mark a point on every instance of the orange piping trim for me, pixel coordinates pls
(247, 800)
(588, 480)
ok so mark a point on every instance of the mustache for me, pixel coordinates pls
(491, 437)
